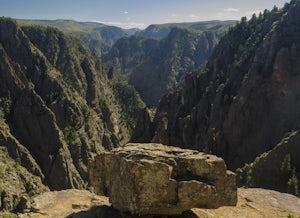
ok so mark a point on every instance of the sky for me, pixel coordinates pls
(135, 13)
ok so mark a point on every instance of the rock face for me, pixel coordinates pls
(17, 185)
(157, 67)
(57, 106)
(275, 169)
(162, 180)
(180, 53)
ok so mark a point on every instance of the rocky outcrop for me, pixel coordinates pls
(17, 185)
(17, 151)
(155, 179)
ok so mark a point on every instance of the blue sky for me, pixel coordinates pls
(135, 13)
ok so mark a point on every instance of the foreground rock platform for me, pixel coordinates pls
(256, 203)
(154, 179)
(66, 203)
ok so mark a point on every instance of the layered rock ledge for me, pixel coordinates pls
(155, 179)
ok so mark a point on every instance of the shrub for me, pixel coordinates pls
(8, 215)
(5, 104)
(69, 134)
(293, 184)
(286, 165)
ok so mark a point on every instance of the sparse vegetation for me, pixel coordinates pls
(85, 111)
(8, 215)
(5, 105)
(53, 97)
(289, 175)
(292, 184)
(76, 121)
(129, 101)
(15, 180)
(286, 165)
(69, 134)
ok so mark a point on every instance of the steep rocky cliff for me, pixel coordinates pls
(17, 185)
(157, 67)
(58, 107)
(247, 97)
(181, 52)
(128, 52)
(276, 169)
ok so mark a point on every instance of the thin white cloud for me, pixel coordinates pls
(193, 16)
(227, 16)
(126, 12)
(173, 15)
(125, 25)
(231, 10)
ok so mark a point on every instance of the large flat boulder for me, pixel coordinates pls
(145, 179)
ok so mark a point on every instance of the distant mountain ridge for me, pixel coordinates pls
(100, 37)
(97, 36)
(160, 31)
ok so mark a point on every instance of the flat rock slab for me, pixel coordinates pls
(251, 203)
(257, 203)
(67, 203)
(154, 179)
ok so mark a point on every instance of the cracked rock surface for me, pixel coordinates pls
(156, 179)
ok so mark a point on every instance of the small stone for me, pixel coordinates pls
(24, 204)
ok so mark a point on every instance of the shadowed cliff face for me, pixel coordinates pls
(181, 52)
(157, 67)
(57, 104)
(246, 99)
(276, 169)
